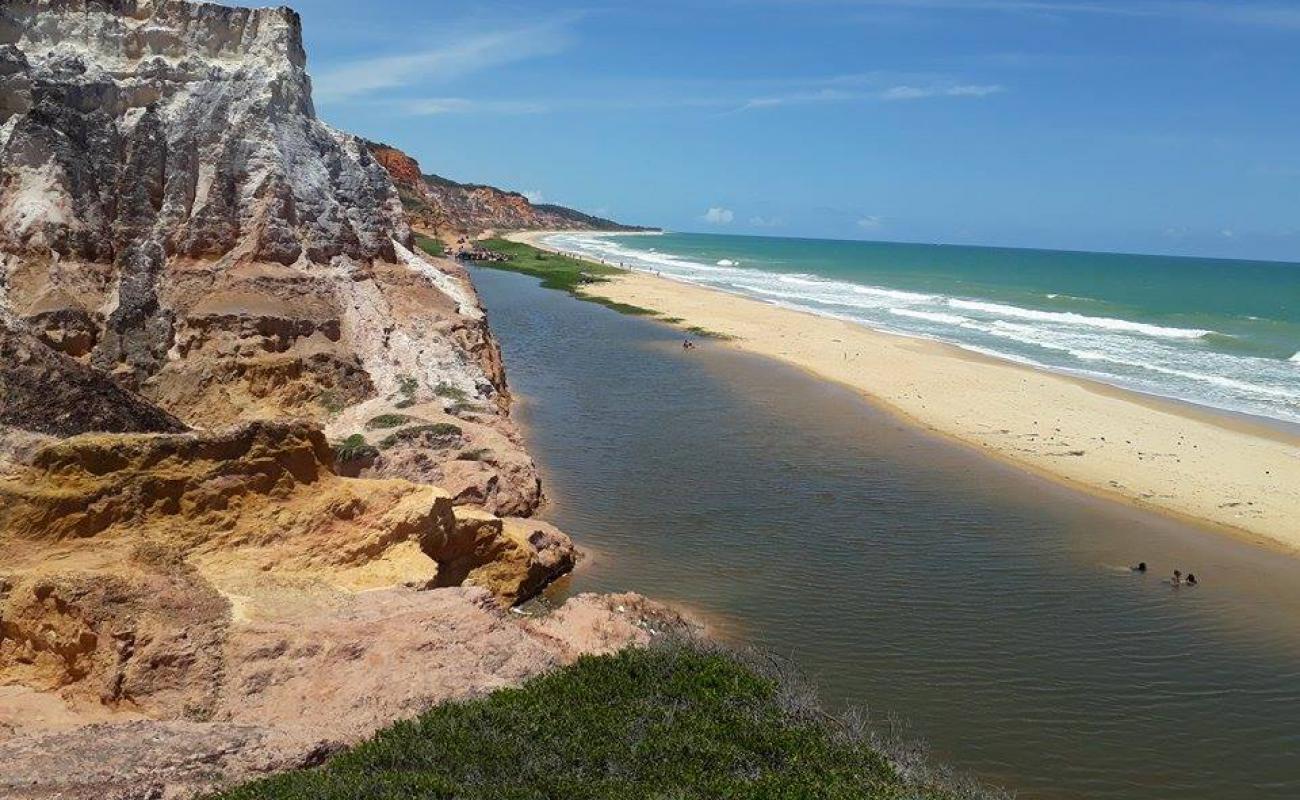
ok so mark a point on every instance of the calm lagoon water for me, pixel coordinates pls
(992, 609)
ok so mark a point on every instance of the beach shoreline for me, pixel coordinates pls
(1226, 472)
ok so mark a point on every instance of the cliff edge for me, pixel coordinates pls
(260, 492)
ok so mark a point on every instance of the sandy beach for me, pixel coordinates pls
(1231, 472)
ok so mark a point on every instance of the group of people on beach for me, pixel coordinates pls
(1178, 579)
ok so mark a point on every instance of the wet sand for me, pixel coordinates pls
(1230, 472)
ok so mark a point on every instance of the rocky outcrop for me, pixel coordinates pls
(448, 209)
(229, 596)
(254, 499)
(47, 392)
(297, 688)
(174, 216)
(259, 490)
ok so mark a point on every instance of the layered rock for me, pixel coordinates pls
(199, 283)
(47, 392)
(229, 596)
(174, 215)
(449, 209)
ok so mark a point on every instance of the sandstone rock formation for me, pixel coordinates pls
(448, 209)
(259, 490)
(173, 214)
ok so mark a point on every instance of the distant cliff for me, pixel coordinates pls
(446, 208)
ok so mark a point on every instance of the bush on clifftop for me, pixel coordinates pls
(672, 721)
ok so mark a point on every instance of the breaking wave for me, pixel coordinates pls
(1189, 363)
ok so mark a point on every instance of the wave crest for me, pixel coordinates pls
(1070, 318)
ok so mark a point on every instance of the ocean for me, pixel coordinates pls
(1217, 333)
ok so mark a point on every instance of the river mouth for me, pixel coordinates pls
(993, 609)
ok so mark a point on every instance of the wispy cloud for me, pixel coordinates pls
(924, 92)
(432, 106)
(733, 96)
(465, 54)
(833, 94)
(719, 216)
(1268, 15)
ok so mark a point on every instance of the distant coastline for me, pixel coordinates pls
(1231, 473)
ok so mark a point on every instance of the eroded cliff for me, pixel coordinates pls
(259, 489)
(449, 209)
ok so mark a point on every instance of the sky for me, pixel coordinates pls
(1154, 126)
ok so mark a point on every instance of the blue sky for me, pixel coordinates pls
(1166, 126)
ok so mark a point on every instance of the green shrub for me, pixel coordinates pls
(450, 392)
(477, 454)
(438, 430)
(331, 401)
(406, 389)
(557, 271)
(354, 448)
(461, 407)
(669, 721)
(387, 421)
(431, 246)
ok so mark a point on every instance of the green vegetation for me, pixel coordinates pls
(477, 454)
(558, 272)
(431, 246)
(331, 401)
(387, 421)
(412, 202)
(406, 387)
(672, 721)
(705, 333)
(437, 430)
(354, 448)
(462, 407)
(450, 392)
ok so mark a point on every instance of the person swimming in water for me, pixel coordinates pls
(1178, 577)
(1191, 579)
(1141, 567)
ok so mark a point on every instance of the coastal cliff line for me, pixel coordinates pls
(256, 458)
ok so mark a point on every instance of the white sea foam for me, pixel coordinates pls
(1070, 318)
(1158, 359)
(930, 316)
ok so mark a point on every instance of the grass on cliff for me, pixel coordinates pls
(558, 272)
(431, 246)
(677, 721)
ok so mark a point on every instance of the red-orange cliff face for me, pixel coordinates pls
(404, 170)
(448, 209)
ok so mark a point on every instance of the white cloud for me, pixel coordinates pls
(923, 92)
(871, 223)
(1228, 233)
(719, 216)
(465, 54)
(534, 196)
(766, 222)
(431, 106)
(899, 92)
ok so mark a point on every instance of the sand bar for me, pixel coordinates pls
(1230, 472)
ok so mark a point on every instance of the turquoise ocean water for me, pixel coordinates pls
(1218, 333)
